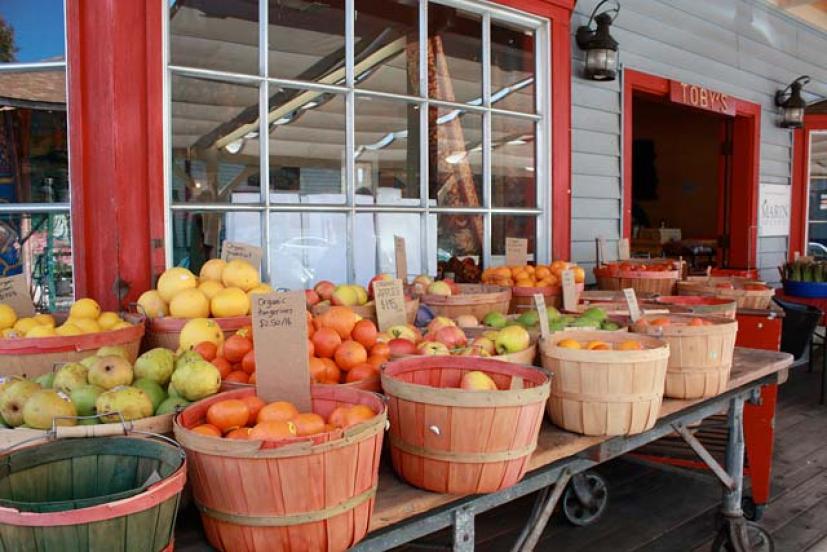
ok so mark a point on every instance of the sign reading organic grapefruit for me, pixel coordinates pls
(238, 250)
(540, 304)
(389, 298)
(280, 335)
(569, 290)
(700, 97)
(516, 251)
(14, 292)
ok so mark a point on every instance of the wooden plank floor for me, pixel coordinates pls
(656, 509)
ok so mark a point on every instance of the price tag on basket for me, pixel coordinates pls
(631, 302)
(516, 251)
(623, 249)
(569, 291)
(390, 303)
(231, 251)
(401, 256)
(540, 304)
(280, 335)
(14, 291)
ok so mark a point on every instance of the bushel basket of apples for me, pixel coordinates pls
(446, 298)
(267, 473)
(747, 294)
(463, 425)
(222, 291)
(605, 383)
(357, 298)
(32, 346)
(701, 347)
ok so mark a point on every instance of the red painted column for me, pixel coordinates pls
(114, 71)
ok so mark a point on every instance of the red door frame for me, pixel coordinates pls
(801, 188)
(745, 161)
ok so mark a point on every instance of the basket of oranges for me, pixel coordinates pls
(747, 294)
(526, 281)
(659, 277)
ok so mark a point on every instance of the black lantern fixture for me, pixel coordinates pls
(792, 104)
(600, 47)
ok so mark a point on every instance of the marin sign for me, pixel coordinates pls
(774, 210)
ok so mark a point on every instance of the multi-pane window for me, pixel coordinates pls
(35, 236)
(423, 119)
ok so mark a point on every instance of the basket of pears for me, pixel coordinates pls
(101, 389)
(593, 318)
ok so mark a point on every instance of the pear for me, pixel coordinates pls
(512, 339)
(172, 392)
(110, 371)
(70, 376)
(132, 403)
(528, 319)
(6, 381)
(113, 350)
(46, 381)
(594, 313)
(154, 391)
(495, 320)
(84, 398)
(155, 364)
(89, 361)
(552, 314)
(186, 357)
(47, 404)
(14, 399)
(88, 421)
(196, 380)
(171, 405)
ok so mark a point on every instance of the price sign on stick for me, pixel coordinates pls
(601, 251)
(280, 335)
(540, 303)
(569, 290)
(623, 250)
(401, 255)
(516, 251)
(631, 302)
(390, 304)
(231, 251)
(14, 291)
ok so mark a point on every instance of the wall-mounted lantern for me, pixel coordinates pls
(600, 47)
(791, 103)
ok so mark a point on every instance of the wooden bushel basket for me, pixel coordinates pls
(522, 298)
(305, 494)
(657, 282)
(369, 311)
(166, 331)
(699, 304)
(605, 392)
(35, 356)
(449, 440)
(700, 356)
(744, 298)
(475, 299)
(91, 494)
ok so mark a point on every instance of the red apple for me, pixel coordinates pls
(311, 297)
(432, 348)
(440, 288)
(438, 323)
(453, 285)
(378, 278)
(452, 337)
(325, 289)
(399, 346)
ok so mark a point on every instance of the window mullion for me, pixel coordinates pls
(424, 227)
(264, 135)
(486, 138)
(350, 139)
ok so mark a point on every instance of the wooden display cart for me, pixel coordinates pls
(403, 513)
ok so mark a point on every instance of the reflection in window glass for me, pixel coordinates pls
(197, 236)
(817, 227)
(386, 45)
(458, 236)
(387, 151)
(32, 31)
(222, 36)
(512, 226)
(455, 46)
(375, 233)
(513, 144)
(307, 247)
(307, 40)
(215, 146)
(455, 157)
(512, 68)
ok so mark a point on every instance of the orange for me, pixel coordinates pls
(254, 404)
(557, 267)
(365, 332)
(338, 417)
(238, 376)
(323, 370)
(223, 365)
(208, 430)
(569, 344)
(252, 380)
(357, 414)
(325, 342)
(311, 349)
(597, 346)
(239, 433)
(248, 363)
(660, 322)
(579, 275)
(279, 411)
(542, 272)
(360, 372)
(308, 423)
(236, 347)
(376, 361)
(228, 414)
(207, 350)
(350, 354)
(273, 431)
(339, 318)
(380, 349)
(629, 345)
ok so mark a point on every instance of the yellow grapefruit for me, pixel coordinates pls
(85, 308)
(152, 305)
(199, 330)
(41, 331)
(241, 274)
(23, 325)
(211, 270)
(87, 325)
(45, 319)
(210, 288)
(68, 329)
(7, 316)
(189, 303)
(175, 280)
(231, 301)
(108, 319)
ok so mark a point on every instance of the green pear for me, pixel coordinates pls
(70, 376)
(595, 313)
(528, 319)
(186, 357)
(172, 392)
(46, 381)
(84, 398)
(113, 350)
(495, 320)
(14, 399)
(171, 405)
(45, 405)
(132, 403)
(197, 380)
(6, 381)
(154, 391)
(552, 314)
(512, 339)
(110, 372)
(89, 361)
(609, 325)
(156, 364)
(586, 322)
(88, 421)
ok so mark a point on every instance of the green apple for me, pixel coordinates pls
(512, 339)
(84, 398)
(495, 320)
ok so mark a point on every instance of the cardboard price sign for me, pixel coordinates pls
(540, 303)
(231, 251)
(569, 290)
(280, 335)
(14, 291)
(516, 251)
(631, 302)
(623, 249)
(390, 304)
(401, 256)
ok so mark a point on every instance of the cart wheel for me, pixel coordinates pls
(759, 540)
(585, 505)
(752, 511)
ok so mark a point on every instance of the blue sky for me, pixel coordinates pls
(38, 27)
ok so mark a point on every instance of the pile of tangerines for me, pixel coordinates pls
(532, 275)
(344, 347)
(251, 418)
(235, 359)
(628, 266)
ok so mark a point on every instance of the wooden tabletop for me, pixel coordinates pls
(396, 500)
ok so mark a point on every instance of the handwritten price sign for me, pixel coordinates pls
(390, 304)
